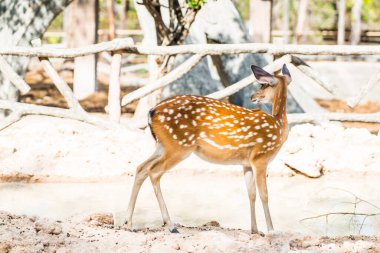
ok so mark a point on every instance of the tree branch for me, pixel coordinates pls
(9, 73)
(372, 82)
(9, 120)
(184, 27)
(114, 108)
(340, 213)
(321, 117)
(178, 11)
(163, 31)
(172, 15)
(21, 109)
(163, 81)
(311, 73)
(61, 84)
(272, 67)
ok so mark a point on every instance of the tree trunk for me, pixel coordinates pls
(123, 14)
(301, 20)
(285, 18)
(83, 31)
(341, 22)
(150, 39)
(20, 22)
(111, 19)
(260, 20)
(356, 22)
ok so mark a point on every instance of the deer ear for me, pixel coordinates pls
(263, 77)
(286, 73)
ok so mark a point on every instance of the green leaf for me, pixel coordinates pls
(195, 4)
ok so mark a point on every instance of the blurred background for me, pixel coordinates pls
(349, 22)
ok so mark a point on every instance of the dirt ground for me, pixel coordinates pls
(335, 105)
(97, 234)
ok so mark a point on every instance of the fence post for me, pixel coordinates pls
(341, 22)
(114, 108)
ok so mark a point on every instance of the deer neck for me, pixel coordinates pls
(279, 105)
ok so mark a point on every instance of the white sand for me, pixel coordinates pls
(49, 147)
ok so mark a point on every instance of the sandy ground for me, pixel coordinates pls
(212, 207)
(97, 234)
(195, 199)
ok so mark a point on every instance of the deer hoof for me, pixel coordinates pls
(128, 226)
(173, 229)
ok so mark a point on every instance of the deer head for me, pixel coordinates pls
(269, 84)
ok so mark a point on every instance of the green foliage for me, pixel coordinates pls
(195, 4)
(323, 14)
(56, 24)
(243, 8)
(371, 12)
(54, 40)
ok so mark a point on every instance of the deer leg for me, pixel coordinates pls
(251, 188)
(156, 171)
(140, 176)
(261, 179)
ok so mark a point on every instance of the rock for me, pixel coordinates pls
(56, 230)
(212, 224)
(100, 219)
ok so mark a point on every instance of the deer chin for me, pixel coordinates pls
(259, 101)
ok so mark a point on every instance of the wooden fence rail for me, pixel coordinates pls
(283, 53)
(204, 49)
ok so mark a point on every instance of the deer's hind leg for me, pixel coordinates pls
(163, 164)
(140, 176)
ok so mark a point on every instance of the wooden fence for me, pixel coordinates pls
(282, 54)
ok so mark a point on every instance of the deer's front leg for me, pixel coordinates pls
(261, 179)
(251, 188)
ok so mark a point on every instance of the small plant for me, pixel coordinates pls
(195, 4)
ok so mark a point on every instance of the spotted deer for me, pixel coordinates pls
(218, 132)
